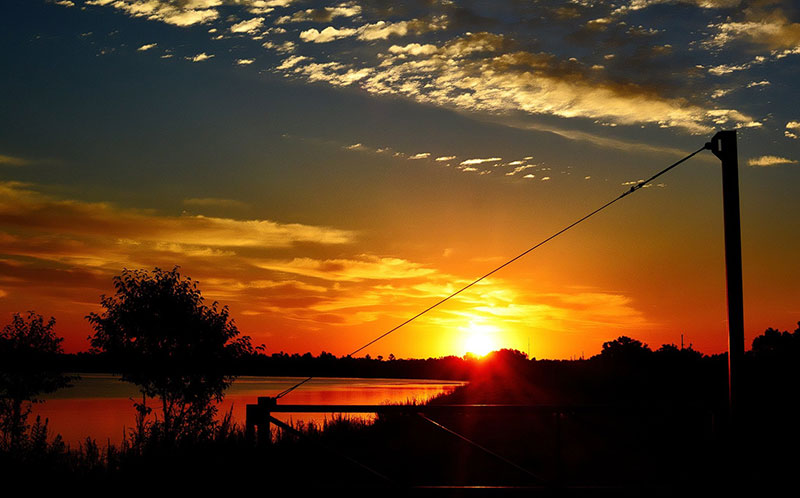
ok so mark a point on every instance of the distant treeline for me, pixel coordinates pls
(625, 369)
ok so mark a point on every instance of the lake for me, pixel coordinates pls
(100, 406)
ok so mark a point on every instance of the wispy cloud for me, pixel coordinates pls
(366, 267)
(248, 26)
(200, 57)
(13, 161)
(184, 13)
(471, 162)
(770, 161)
(324, 14)
(24, 208)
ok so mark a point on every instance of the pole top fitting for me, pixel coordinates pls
(723, 144)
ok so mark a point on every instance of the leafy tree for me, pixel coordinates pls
(170, 344)
(625, 349)
(28, 350)
(776, 344)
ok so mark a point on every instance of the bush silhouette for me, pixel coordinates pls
(170, 344)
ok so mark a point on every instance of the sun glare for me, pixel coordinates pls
(479, 339)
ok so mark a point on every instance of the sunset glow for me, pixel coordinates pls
(480, 339)
(327, 170)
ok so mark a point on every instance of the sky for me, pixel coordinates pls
(329, 169)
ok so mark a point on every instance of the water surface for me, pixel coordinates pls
(100, 406)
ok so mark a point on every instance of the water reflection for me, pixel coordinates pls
(100, 405)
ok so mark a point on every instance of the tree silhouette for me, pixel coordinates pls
(170, 344)
(625, 349)
(28, 350)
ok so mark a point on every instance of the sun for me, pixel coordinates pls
(479, 339)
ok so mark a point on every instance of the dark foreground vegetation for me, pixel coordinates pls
(628, 421)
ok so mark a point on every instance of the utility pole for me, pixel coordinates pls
(723, 145)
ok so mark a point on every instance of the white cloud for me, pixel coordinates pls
(380, 30)
(421, 155)
(291, 62)
(184, 13)
(770, 161)
(791, 128)
(325, 14)
(244, 62)
(146, 47)
(326, 35)
(285, 47)
(520, 169)
(414, 49)
(249, 26)
(445, 158)
(470, 162)
(468, 73)
(200, 57)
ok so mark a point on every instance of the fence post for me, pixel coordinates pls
(265, 403)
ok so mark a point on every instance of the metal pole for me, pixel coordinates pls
(723, 145)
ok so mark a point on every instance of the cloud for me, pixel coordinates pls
(421, 155)
(184, 13)
(25, 209)
(705, 4)
(767, 28)
(18, 161)
(365, 268)
(200, 57)
(324, 14)
(244, 62)
(470, 162)
(380, 30)
(519, 169)
(291, 62)
(326, 35)
(249, 26)
(770, 161)
(146, 47)
(444, 158)
(791, 127)
(476, 73)
(414, 49)
(284, 47)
